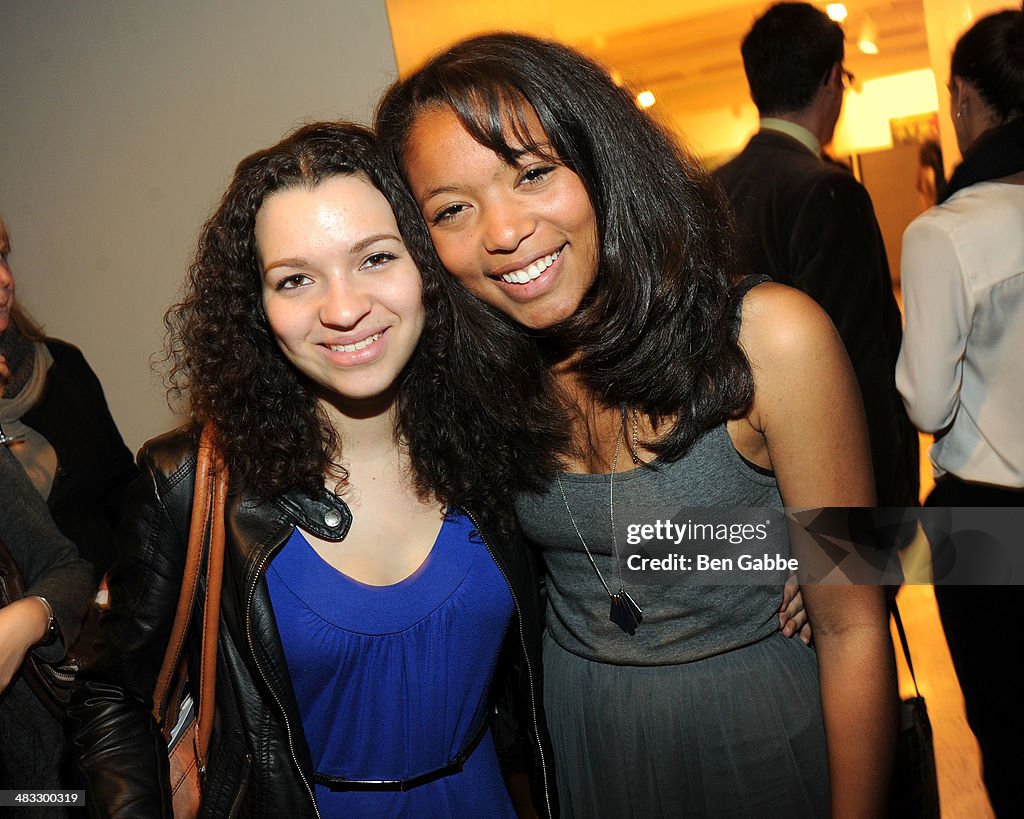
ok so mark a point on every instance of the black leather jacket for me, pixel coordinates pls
(259, 761)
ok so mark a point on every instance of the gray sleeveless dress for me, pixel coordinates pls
(707, 711)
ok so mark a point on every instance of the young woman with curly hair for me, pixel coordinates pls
(375, 610)
(556, 202)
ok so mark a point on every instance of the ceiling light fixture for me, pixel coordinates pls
(836, 11)
(867, 40)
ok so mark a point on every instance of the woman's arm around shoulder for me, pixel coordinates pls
(810, 415)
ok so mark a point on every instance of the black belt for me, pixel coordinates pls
(454, 766)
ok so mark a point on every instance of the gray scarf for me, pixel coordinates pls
(37, 457)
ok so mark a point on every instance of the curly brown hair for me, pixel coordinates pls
(475, 436)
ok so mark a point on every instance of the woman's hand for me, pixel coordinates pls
(792, 613)
(22, 624)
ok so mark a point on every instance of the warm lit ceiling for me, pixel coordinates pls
(692, 62)
(686, 51)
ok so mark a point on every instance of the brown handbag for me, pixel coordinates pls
(187, 729)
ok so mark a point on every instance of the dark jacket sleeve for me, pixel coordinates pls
(118, 467)
(520, 730)
(95, 466)
(840, 258)
(48, 561)
(120, 753)
(841, 263)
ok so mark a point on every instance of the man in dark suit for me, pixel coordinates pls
(810, 224)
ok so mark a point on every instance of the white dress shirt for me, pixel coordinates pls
(961, 367)
(791, 129)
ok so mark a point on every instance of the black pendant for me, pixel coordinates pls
(625, 613)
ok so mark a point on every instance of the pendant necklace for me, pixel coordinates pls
(625, 613)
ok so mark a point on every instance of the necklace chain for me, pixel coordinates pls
(624, 611)
(611, 515)
(635, 452)
(611, 501)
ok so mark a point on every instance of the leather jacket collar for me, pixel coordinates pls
(326, 515)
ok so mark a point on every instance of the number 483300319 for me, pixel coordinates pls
(23, 798)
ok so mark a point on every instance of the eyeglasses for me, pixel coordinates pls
(846, 77)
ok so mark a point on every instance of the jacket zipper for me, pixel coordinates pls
(236, 805)
(526, 656)
(252, 648)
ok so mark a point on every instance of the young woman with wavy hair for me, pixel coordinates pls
(557, 203)
(376, 612)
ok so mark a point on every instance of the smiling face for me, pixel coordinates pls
(342, 295)
(6, 280)
(522, 238)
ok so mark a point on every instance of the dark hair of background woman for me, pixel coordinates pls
(657, 331)
(930, 156)
(225, 360)
(990, 56)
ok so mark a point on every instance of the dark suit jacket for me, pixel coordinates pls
(811, 225)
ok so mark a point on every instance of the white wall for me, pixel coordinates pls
(120, 124)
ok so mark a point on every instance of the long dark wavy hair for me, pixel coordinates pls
(275, 436)
(657, 331)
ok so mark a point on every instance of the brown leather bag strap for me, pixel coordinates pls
(211, 615)
(208, 509)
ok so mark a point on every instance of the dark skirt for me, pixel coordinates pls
(738, 734)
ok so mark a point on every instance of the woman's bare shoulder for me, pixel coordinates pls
(781, 323)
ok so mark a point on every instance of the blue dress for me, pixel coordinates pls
(393, 681)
